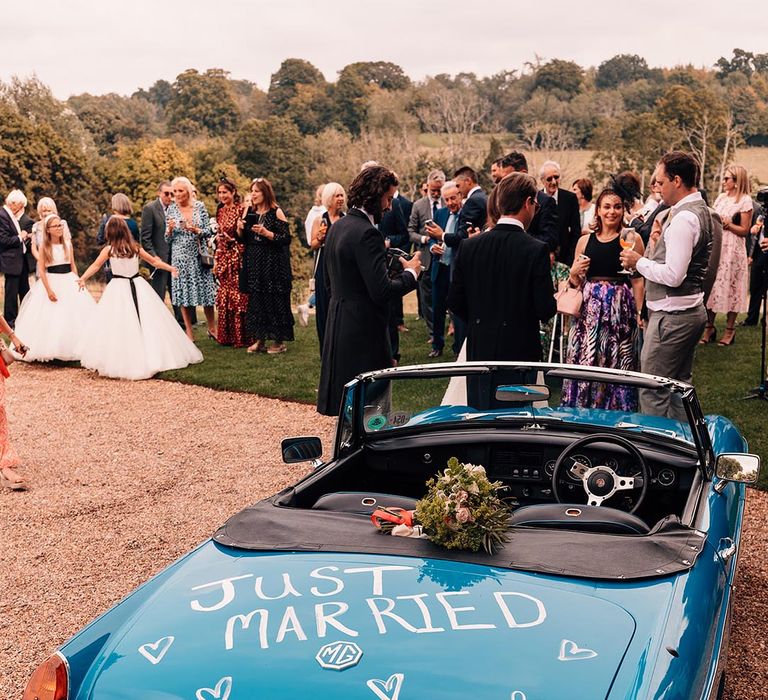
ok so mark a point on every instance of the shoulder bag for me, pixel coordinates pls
(569, 299)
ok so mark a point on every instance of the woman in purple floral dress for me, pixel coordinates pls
(605, 333)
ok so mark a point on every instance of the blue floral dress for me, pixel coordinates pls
(195, 285)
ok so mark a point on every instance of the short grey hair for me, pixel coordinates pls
(447, 186)
(16, 197)
(330, 191)
(549, 164)
(436, 176)
(121, 204)
(47, 203)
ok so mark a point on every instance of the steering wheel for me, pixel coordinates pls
(601, 482)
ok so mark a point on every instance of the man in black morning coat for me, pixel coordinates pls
(359, 288)
(501, 286)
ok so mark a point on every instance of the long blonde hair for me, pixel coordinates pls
(740, 179)
(46, 249)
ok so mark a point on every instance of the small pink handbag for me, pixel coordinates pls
(569, 299)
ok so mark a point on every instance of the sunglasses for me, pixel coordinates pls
(552, 178)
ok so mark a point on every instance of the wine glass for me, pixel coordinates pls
(627, 241)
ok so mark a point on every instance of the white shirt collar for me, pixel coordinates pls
(511, 220)
(473, 190)
(693, 197)
(14, 218)
(370, 217)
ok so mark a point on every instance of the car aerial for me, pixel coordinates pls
(616, 579)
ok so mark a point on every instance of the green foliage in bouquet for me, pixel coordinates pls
(463, 510)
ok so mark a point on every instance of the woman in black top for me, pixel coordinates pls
(266, 275)
(605, 333)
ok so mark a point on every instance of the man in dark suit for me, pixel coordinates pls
(502, 286)
(758, 273)
(154, 242)
(568, 220)
(446, 221)
(474, 210)
(425, 209)
(360, 288)
(394, 228)
(545, 225)
(14, 243)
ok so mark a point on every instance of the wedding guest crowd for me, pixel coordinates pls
(651, 270)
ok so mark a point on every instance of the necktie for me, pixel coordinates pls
(434, 209)
(450, 227)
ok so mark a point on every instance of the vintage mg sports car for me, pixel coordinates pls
(615, 580)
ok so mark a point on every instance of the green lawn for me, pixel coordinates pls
(722, 375)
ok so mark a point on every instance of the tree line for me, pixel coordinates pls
(305, 130)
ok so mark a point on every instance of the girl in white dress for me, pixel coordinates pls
(54, 314)
(132, 334)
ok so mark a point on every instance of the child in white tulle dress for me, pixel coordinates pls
(54, 314)
(132, 334)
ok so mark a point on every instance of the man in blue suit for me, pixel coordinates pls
(445, 226)
(474, 210)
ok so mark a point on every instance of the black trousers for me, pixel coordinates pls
(758, 280)
(16, 288)
(441, 281)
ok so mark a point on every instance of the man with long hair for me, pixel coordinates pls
(360, 288)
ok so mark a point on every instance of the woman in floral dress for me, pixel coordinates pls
(188, 228)
(729, 293)
(605, 333)
(9, 459)
(267, 271)
(231, 303)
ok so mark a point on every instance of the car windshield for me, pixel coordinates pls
(475, 393)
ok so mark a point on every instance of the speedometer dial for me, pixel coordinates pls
(611, 463)
(581, 459)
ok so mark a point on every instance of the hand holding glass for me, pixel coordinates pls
(627, 241)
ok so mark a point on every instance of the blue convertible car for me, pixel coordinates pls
(616, 581)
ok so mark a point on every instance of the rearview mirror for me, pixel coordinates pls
(739, 467)
(522, 393)
(301, 449)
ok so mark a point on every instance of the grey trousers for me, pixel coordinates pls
(669, 345)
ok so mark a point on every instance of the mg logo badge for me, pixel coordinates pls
(338, 656)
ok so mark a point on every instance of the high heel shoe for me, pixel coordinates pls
(709, 335)
(729, 337)
(212, 336)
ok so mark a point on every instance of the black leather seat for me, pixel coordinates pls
(362, 502)
(562, 516)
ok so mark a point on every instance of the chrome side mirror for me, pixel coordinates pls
(737, 466)
(301, 449)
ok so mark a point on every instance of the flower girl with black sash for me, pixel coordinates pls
(132, 334)
(54, 315)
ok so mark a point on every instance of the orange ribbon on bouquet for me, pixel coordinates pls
(396, 516)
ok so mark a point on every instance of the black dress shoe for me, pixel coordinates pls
(748, 322)
(435, 353)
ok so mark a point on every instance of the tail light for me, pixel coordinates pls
(50, 681)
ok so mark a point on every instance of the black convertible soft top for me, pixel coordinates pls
(669, 548)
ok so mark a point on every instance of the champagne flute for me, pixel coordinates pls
(627, 241)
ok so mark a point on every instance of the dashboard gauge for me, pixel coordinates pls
(549, 467)
(611, 463)
(581, 459)
(666, 477)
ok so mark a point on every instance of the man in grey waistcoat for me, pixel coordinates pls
(674, 271)
(154, 242)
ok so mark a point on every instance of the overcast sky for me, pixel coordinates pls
(79, 46)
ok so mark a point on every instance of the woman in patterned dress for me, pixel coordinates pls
(188, 227)
(267, 270)
(231, 303)
(729, 293)
(604, 335)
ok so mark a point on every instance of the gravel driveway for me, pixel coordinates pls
(128, 476)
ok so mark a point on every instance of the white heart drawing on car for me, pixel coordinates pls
(570, 651)
(155, 651)
(389, 689)
(220, 692)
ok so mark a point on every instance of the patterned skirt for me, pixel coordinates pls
(605, 335)
(231, 303)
